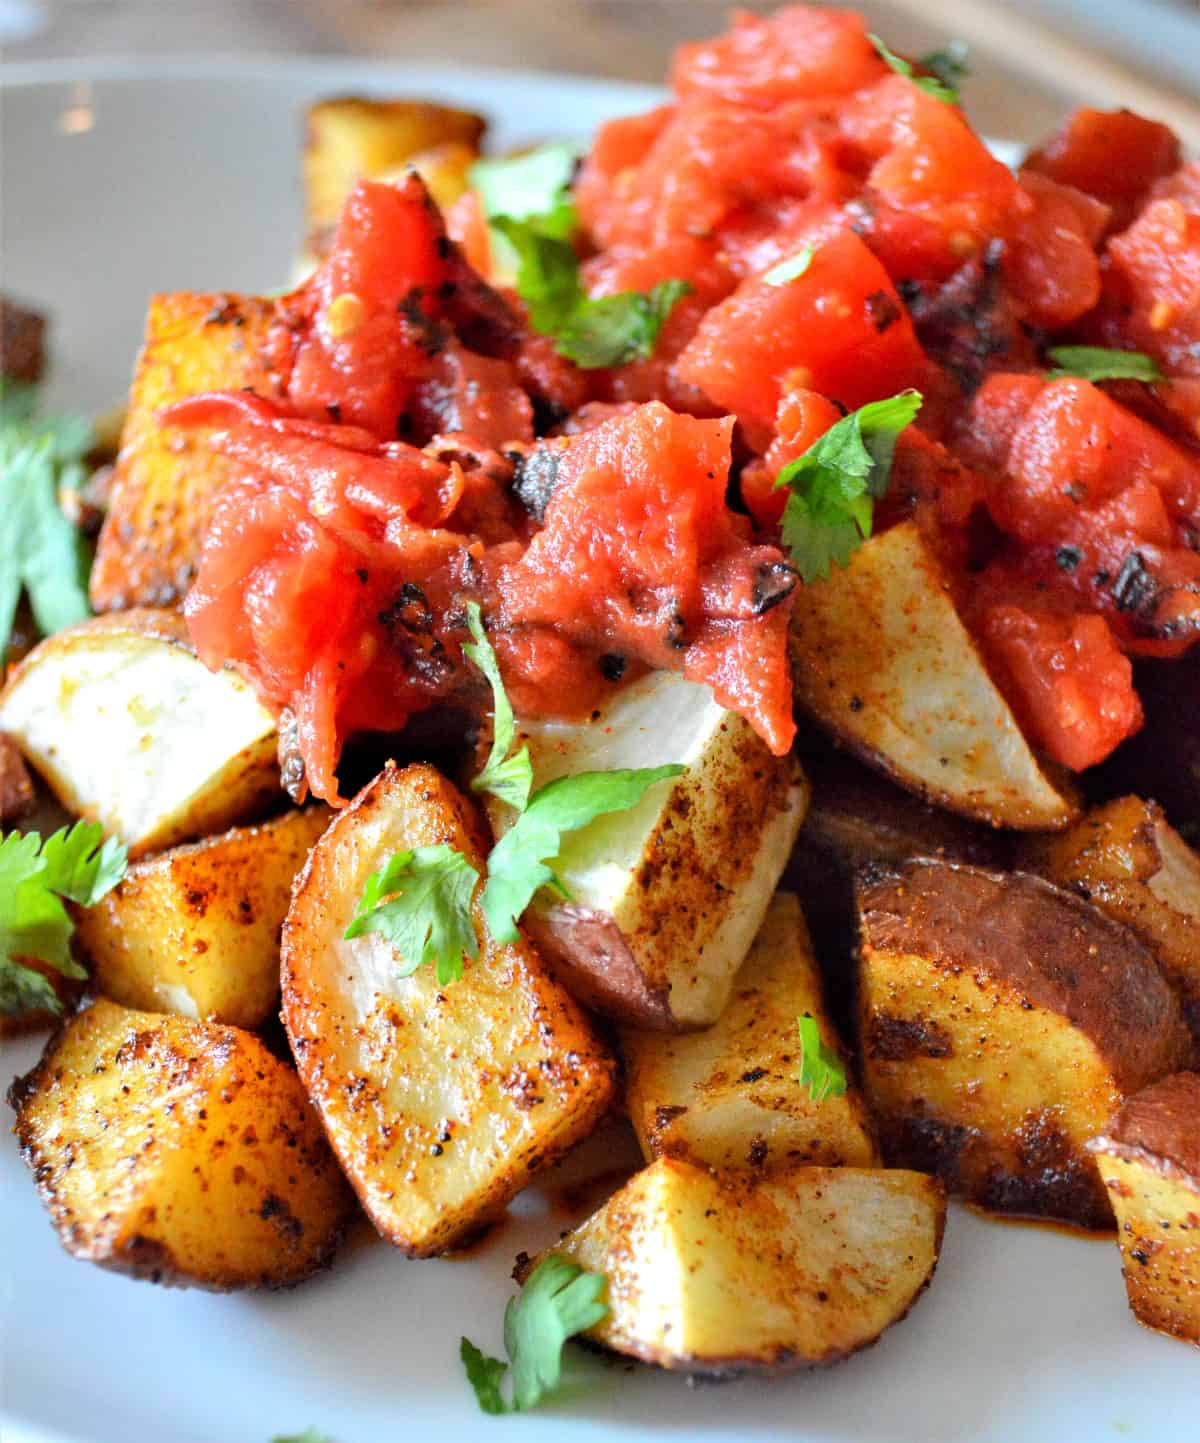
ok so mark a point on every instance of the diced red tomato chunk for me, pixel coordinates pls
(839, 328)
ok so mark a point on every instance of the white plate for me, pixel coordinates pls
(122, 180)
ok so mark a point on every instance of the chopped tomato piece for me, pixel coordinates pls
(1153, 286)
(798, 54)
(934, 193)
(602, 188)
(1070, 685)
(802, 418)
(639, 556)
(839, 328)
(371, 302)
(1050, 262)
(1115, 156)
(466, 225)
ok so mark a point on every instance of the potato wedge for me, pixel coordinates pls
(351, 137)
(731, 1096)
(196, 929)
(1127, 859)
(728, 1272)
(882, 660)
(666, 897)
(440, 1102)
(165, 480)
(129, 729)
(1002, 1021)
(180, 1152)
(1149, 1159)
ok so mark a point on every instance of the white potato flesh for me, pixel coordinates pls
(724, 1272)
(131, 730)
(731, 1095)
(666, 897)
(881, 658)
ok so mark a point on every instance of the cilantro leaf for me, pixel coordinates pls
(835, 483)
(1099, 363)
(534, 184)
(547, 276)
(613, 330)
(930, 84)
(508, 778)
(484, 1375)
(34, 924)
(949, 64)
(821, 1069)
(517, 865)
(790, 269)
(81, 866)
(40, 551)
(420, 902)
(310, 1435)
(558, 1301)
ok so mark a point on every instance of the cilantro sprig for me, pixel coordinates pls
(821, 1069)
(529, 208)
(950, 64)
(1099, 363)
(310, 1435)
(559, 1301)
(834, 485)
(942, 84)
(41, 552)
(507, 777)
(517, 867)
(76, 865)
(420, 902)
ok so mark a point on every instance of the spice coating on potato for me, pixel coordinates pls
(440, 1102)
(1149, 1159)
(731, 1096)
(1127, 859)
(195, 930)
(166, 480)
(727, 1272)
(180, 1152)
(882, 660)
(1001, 1023)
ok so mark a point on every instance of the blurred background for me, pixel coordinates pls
(1032, 58)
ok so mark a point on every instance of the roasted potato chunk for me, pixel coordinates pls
(16, 785)
(1002, 1021)
(1149, 1159)
(196, 929)
(731, 1096)
(666, 897)
(351, 138)
(882, 660)
(1127, 859)
(177, 1151)
(129, 729)
(440, 1102)
(729, 1272)
(165, 480)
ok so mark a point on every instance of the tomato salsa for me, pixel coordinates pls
(830, 231)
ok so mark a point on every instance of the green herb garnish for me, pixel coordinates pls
(517, 866)
(558, 1301)
(506, 777)
(821, 1069)
(834, 485)
(949, 64)
(420, 902)
(930, 84)
(74, 864)
(41, 553)
(1098, 363)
